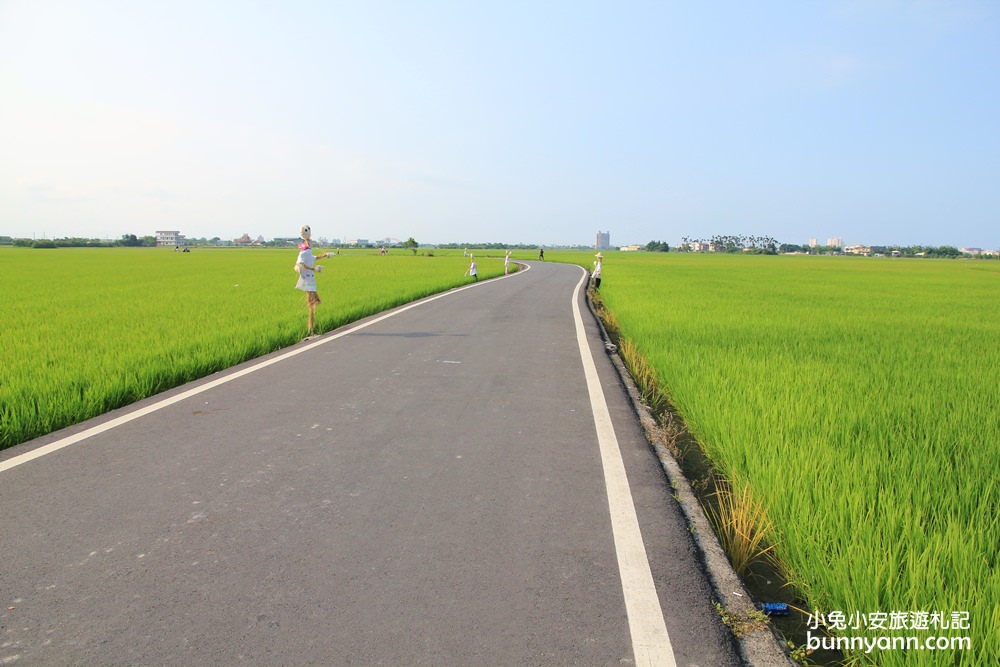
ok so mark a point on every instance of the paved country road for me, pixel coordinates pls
(460, 481)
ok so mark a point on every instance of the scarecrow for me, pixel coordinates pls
(307, 269)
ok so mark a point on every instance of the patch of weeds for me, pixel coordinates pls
(800, 654)
(742, 623)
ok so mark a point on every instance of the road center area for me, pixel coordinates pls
(429, 485)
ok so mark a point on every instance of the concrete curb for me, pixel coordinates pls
(759, 648)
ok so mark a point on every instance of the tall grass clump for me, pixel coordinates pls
(745, 531)
(859, 399)
(115, 325)
(642, 373)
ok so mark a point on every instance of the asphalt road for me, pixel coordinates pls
(429, 486)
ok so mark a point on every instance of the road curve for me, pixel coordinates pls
(434, 485)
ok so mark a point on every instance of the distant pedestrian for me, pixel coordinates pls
(307, 269)
(506, 263)
(596, 275)
(541, 254)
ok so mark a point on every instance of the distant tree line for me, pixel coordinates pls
(810, 250)
(128, 240)
(945, 251)
(502, 246)
(764, 245)
(732, 243)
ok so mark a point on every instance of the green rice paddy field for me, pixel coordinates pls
(859, 400)
(856, 399)
(87, 330)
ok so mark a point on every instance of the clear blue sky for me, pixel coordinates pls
(538, 122)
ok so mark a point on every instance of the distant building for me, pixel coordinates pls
(173, 238)
(603, 240)
(813, 243)
(858, 249)
(630, 248)
(971, 251)
(244, 240)
(835, 242)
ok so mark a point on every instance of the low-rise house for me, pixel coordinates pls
(170, 238)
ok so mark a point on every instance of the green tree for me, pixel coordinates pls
(411, 244)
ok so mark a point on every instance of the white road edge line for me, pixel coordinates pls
(650, 641)
(15, 461)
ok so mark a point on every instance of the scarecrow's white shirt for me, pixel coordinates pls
(307, 279)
